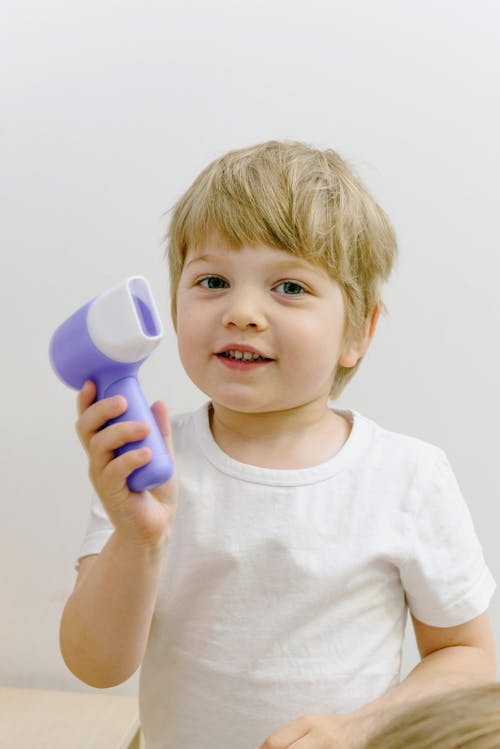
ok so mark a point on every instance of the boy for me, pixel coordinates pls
(270, 578)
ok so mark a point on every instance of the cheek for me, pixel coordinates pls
(189, 354)
(187, 316)
(186, 329)
(193, 334)
(315, 346)
(315, 334)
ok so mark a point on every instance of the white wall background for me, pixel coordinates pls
(108, 111)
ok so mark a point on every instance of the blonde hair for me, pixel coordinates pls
(468, 718)
(292, 197)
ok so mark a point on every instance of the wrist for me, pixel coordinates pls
(146, 549)
(359, 727)
(143, 523)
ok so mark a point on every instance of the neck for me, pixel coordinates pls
(295, 438)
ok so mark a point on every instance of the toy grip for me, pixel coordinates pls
(160, 468)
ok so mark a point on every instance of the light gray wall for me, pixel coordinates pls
(109, 109)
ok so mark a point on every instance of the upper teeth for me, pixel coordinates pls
(248, 355)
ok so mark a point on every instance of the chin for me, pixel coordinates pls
(243, 403)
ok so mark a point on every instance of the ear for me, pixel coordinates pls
(356, 349)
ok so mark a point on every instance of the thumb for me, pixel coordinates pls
(160, 414)
(167, 492)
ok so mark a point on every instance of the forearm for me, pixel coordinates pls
(106, 621)
(444, 670)
(441, 671)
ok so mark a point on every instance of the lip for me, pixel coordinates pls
(242, 365)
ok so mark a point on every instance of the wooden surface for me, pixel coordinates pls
(42, 719)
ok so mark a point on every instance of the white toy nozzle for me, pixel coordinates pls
(123, 322)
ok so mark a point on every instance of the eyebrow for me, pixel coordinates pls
(198, 258)
(292, 262)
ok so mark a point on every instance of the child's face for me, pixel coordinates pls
(259, 301)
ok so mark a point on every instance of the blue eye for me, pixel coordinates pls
(214, 282)
(289, 288)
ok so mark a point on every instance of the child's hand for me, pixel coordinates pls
(317, 732)
(146, 517)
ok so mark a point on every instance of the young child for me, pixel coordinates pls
(265, 588)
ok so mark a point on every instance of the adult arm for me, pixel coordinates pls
(451, 657)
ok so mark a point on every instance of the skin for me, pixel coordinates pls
(452, 657)
(272, 414)
(106, 620)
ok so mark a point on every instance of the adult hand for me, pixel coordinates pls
(315, 732)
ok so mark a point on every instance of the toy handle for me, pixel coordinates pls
(160, 468)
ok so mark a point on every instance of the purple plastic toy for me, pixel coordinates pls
(106, 341)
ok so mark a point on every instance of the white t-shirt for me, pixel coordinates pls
(285, 592)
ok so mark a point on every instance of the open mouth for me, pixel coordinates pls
(242, 356)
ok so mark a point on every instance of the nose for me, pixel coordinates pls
(245, 309)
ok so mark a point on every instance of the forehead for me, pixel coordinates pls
(215, 250)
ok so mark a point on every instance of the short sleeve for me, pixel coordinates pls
(99, 529)
(445, 577)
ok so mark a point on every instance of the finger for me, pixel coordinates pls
(160, 414)
(86, 396)
(308, 741)
(166, 493)
(96, 415)
(118, 470)
(103, 444)
(311, 741)
(288, 735)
